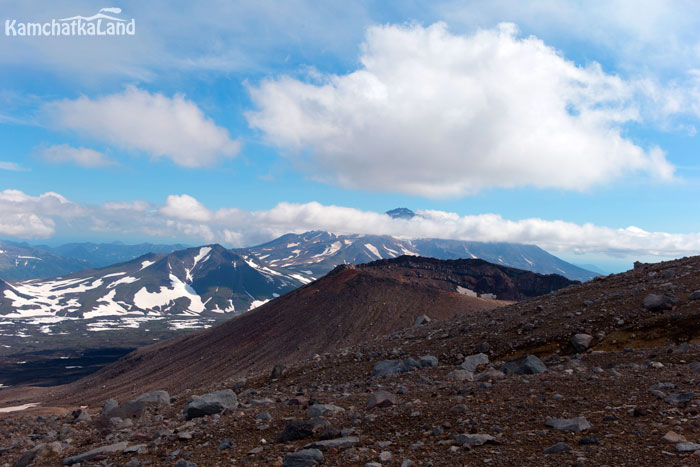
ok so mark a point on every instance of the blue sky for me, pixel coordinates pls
(571, 125)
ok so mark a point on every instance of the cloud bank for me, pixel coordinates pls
(83, 157)
(160, 126)
(184, 217)
(435, 114)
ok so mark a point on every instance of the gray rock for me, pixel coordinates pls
(108, 405)
(210, 404)
(338, 443)
(297, 429)
(318, 410)
(278, 371)
(483, 347)
(460, 375)
(226, 444)
(687, 447)
(428, 361)
(682, 398)
(132, 409)
(408, 463)
(475, 439)
(385, 457)
(155, 398)
(422, 319)
(525, 365)
(492, 375)
(576, 425)
(557, 448)
(303, 458)
(38, 453)
(654, 302)
(472, 362)
(81, 416)
(695, 295)
(86, 456)
(184, 463)
(581, 342)
(381, 399)
(389, 367)
(264, 416)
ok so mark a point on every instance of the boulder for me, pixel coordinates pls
(86, 456)
(581, 342)
(472, 362)
(303, 458)
(460, 375)
(381, 399)
(210, 404)
(576, 425)
(654, 302)
(155, 398)
(318, 410)
(428, 361)
(388, 367)
(475, 439)
(338, 443)
(422, 319)
(525, 365)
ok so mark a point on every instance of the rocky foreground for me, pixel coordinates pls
(605, 373)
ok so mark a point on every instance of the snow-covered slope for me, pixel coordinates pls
(208, 281)
(317, 253)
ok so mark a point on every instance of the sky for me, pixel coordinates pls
(569, 125)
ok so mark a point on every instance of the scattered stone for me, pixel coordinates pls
(39, 453)
(385, 457)
(338, 443)
(484, 347)
(586, 440)
(184, 463)
(297, 429)
(460, 375)
(210, 404)
(475, 439)
(226, 444)
(81, 416)
(525, 365)
(678, 399)
(654, 302)
(695, 295)
(303, 458)
(278, 372)
(576, 425)
(581, 342)
(687, 447)
(381, 399)
(672, 437)
(428, 361)
(557, 448)
(318, 410)
(264, 417)
(472, 362)
(422, 319)
(86, 456)
(155, 398)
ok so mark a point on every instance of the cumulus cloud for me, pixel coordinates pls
(437, 114)
(184, 217)
(83, 157)
(155, 124)
(185, 207)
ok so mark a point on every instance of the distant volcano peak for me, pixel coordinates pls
(401, 213)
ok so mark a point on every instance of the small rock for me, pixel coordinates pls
(671, 437)
(654, 302)
(581, 342)
(338, 443)
(472, 362)
(525, 365)
(156, 398)
(428, 361)
(381, 399)
(86, 456)
(278, 371)
(679, 399)
(557, 448)
(210, 404)
(460, 375)
(586, 440)
(576, 425)
(226, 444)
(385, 456)
(475, 439)
(303, 458)
(687, 447)
(318, 410)
(695, 295)
(422, 319)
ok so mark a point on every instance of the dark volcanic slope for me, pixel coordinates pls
(348, 306)
(474, 274)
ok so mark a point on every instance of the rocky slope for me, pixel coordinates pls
(616, 383)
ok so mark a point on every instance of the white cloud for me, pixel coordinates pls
(83, 157)
(183, 217)
(11, 166)
(185, 207)
(437, 114)
(152, 123)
